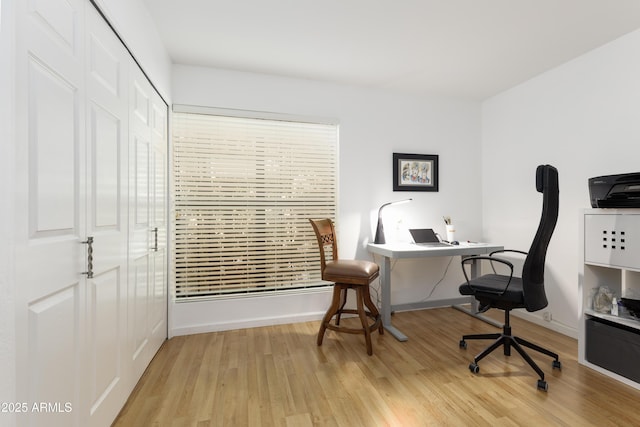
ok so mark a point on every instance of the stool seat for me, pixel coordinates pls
(355, 272)
(346, 274)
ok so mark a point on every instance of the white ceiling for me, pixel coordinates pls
(468, 48)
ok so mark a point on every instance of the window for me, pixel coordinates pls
(244, 189)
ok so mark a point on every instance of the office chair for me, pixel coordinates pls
(510, 292)
(346, 274)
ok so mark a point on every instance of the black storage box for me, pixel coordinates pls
(614, 347)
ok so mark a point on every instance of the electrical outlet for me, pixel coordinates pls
(547, 316)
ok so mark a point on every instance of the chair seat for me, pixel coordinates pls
(355, 272)
(487, 286)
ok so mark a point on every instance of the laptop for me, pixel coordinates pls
(426, 237)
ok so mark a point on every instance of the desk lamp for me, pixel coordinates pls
(380, 229)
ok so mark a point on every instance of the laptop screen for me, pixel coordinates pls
(423, 235)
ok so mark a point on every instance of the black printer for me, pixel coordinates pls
(615, 191)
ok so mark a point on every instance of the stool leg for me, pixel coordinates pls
(363, 319)
(333, 308)
(373, 309)
(343, 292)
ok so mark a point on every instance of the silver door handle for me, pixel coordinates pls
(155, 239)
(89, 243)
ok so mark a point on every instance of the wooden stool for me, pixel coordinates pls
(346, 274)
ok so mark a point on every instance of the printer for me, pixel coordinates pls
(615, 191)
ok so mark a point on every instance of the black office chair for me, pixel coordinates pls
(507, 292)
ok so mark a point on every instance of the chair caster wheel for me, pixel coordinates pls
(474, 368)
(542, 385)
(463, 344)
(557, 364)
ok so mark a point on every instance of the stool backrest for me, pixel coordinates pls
(327, 240)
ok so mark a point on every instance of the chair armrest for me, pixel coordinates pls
(491, 259)
(503, 251)
(508, 250)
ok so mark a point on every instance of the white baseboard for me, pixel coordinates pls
(242, 312)
(554, 326)
(246, 323)
(266, 310)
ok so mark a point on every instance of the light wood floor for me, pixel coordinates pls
(277, 376)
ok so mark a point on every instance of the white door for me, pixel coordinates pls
(107, 107)
(158, 220)
(86, 327)
(50, 211)
(147, 244)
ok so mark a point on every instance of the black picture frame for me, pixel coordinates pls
(415, 172)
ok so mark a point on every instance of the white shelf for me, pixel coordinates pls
(610, 256)
(596, 264)
(627, 321)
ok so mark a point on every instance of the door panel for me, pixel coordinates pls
(49, 220)
(158, 311)
(140, 231)
(141, 244)
(61, 17)
(159, 297)
(147, 245)
(106, 143)
(140, 302)
(107, 64)
(104, 341)
(140, 104)
(53, 152)
(55, 353)
(141, 174)
(159, 161)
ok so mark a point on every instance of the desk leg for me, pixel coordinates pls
(385, 286)
(475, 272)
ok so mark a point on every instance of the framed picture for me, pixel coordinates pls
(415, 172)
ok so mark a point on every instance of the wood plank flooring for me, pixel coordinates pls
(277, 376)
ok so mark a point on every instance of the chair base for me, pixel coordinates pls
(507, 341)
(363, 299)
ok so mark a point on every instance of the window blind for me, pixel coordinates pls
(244, 189)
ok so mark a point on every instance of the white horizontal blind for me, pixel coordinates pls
(244, 191)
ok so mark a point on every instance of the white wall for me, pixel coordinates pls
(583, 118)
(373, 125)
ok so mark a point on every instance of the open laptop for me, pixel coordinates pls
(426, 237)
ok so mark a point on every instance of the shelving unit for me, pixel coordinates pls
(610, 256)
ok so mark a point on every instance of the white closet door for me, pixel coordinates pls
(142, 235)
(90, 163)
(50, 214)
(107, 65)
(158, 220)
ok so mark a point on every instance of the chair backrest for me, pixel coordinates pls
(533, 268)
(327, 240)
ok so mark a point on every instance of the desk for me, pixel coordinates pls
(410, 250)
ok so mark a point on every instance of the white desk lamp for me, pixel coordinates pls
(380, 229)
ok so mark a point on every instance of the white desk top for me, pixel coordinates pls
(411, 250)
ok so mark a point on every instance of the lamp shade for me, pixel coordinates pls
(380, 239)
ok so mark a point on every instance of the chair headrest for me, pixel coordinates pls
(544, 175)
